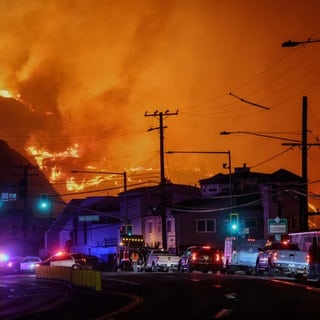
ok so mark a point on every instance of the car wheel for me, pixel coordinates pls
(257, 270)
(76, 267)
(269, 271)
(153, 267)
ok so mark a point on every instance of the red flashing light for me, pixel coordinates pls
(206, 247)
(275, 256)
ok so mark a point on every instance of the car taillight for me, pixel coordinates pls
(218, 257)
(308, 258)
(275, 256)
(193, 256)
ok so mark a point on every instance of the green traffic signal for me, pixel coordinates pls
(44, 201)
(234, 221)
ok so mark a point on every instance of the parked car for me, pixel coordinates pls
(161, 260)
(201, 258)
(64, 259)
(23, 264)
(282, 258)
(98, 263)
(4, 258)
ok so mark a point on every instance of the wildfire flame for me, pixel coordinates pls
(41, 155)
(9, 94)
(48, 163)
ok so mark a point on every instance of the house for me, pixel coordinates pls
(93, 225)
(195, 216)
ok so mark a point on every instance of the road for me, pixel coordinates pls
(21, 295)
(128, 296)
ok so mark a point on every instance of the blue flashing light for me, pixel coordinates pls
(4, 257)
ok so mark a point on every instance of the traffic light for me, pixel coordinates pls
(129, 229)
(126, 229)
(234, 222)
(44, 201)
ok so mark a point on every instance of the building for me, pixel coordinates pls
(195, 216)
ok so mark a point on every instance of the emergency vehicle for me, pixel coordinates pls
(130, 245)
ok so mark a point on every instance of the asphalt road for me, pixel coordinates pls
(132, 296)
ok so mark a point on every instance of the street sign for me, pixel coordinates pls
(277, 226)
(89, 218)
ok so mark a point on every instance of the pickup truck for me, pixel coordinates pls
(240, 254)
(161, 260)
(282, 258)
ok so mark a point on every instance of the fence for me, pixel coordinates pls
(83, 278)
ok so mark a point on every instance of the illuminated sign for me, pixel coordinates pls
(277, 226)
(89, 218)
(131, 240)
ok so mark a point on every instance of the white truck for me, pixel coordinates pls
(161, 260)
(284, 258)
(240, 254)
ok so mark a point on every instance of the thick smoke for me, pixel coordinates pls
(87, 71)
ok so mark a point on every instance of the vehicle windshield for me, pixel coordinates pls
(165, 252)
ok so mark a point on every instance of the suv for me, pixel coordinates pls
(24, 264)
(72, 260)
(201, 258)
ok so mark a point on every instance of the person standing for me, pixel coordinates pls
(134, 261)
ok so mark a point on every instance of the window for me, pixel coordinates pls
(250, 223)
(169, 226)
(206, 225)
(8, 196)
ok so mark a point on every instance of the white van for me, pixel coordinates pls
(240, 254)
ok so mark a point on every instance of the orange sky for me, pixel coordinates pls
(89, 70)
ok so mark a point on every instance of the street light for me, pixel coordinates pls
(303, 144)
(124, 174)
(289, 44)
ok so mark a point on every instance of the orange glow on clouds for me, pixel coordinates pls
(86, 75)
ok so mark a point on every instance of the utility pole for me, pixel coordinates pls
(304, 145)
(23, 193)
(163, 181)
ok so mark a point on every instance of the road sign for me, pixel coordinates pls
(277, 226)
(89, 218)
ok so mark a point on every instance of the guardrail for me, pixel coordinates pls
(77, 277)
